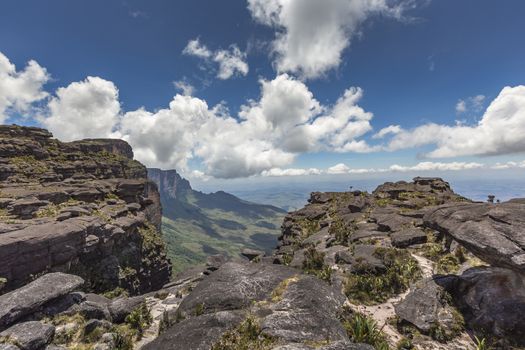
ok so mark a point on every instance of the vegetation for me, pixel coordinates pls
(3, 282)
(481, 343)
(341, 231)
(447, 264)
(139, 319)
(247, 336)
(199, 309)
(369, 288)
(313, 264)
(363, 329)
(115, 293)
(405, 344)
(277, 293)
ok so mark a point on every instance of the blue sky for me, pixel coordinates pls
(416, 63)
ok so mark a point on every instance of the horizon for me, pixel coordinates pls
(388, 89)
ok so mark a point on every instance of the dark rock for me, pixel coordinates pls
(214, 262)
(492, 300)
(93, 324)
(122, 307)
(251, 254)
(426, 307)
(91, 310)
(495, 233)
(30, 335)
(26, 300)
(9, 347)
(197, 333)
(408, 237)
(307, 311)
(235, 286)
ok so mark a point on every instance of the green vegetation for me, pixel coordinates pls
(341, 230)
(369, 288)
(481, 343)
(139, 319)
(405, 344)
(29, 165)
(247, 336)
(199, 309)
(445, 333)
(277, 293)
(447, 264)
(308, 227)
(3, 282)
(314, 264)
(115, 293)
(363, 329)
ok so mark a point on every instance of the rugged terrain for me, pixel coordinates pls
(196, 225)
(409, 266)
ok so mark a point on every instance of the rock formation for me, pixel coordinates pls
(83, 207)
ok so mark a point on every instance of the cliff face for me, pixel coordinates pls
(83, 207)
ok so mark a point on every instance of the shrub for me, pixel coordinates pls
(363, 329)
(247, 336)
(405, 344)
(448, 264)
(371, 288)
(139, 319)
(314, 264)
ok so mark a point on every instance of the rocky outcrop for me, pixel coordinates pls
(494, 232)
(84, 207)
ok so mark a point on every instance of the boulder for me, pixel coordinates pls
(197, 333)
(251, 254)
(235, 286)
(408, 237)
(493, 232)
(26, 300)
(120, 308)
(492, 299)
(307, 311)
(29, 335)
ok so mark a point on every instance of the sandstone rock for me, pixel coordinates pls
(29, 335)
(408, 237)
(21, 302)
(251, 254)
(495, 233)
(197, 333)
(122, 307)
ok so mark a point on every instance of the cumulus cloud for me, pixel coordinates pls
(437, 166)
(338, 169)
(389, 130)
(311, 35)
(85, 109)
(508, 165)
(500, 131)
(19, 89)
(231, 62)
(275, 172)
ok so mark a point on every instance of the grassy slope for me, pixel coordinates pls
(217, 224)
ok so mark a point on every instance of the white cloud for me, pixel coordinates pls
(86, 109)
(432, 166)
(500, 131)
(311, 35)
(474, 103)
(231, 62)
(274, 172)
(19, 89)
(195, 48)
(389, 130)
(508, 165)
(338, 169)
(183, 86)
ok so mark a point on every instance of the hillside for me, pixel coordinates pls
(196, 224)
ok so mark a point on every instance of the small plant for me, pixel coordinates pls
(277, 293)
(139, 319)
(247, 336)
(448, 264)
(405, 344)
(481, 344)
(369, 287)
(363, 329)
(314, 264)
(199, 309)
(115, 293)
(3, 282)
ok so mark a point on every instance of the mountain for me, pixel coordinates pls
(196, 224)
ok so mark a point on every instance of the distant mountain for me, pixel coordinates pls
(196, 225)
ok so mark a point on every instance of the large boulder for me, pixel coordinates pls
(29, 335)
(493, 232)
(26, 300)
(492, 300)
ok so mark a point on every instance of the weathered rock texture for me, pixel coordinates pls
(83, 207)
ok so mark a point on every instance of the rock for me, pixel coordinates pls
(26, 300)
(495, 233)
(252, 253)
(122, 307)
(213, 262)
(339, 345)
(30, 335)
(91, 310)
(308, 311)
(9, 347)
(234, 286)
(93, 324)
(197, 333)
(426, 307)
(492, 300)
(408, 237)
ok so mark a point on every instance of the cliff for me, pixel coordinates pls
(82, 207)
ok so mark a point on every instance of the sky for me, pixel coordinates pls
(288, 89)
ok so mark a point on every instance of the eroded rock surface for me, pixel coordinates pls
(83, 207)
